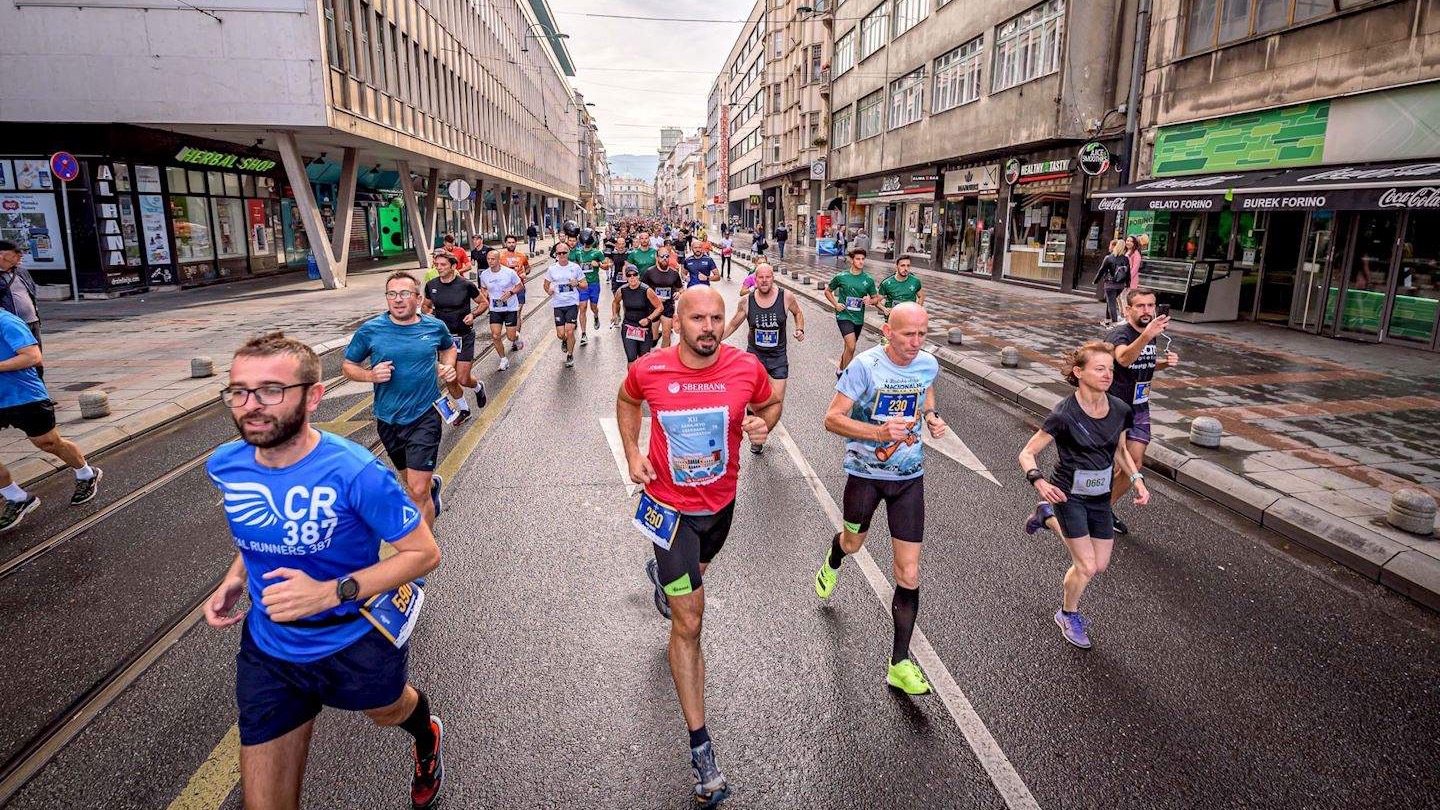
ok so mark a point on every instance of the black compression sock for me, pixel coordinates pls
(418, 724)
(903, 607)
(837, 554)
(699, 737)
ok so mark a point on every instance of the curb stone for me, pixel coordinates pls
(1409, 572)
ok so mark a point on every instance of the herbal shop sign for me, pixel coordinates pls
(222, 160)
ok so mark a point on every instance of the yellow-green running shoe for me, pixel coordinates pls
(908, 678)
(825, 580)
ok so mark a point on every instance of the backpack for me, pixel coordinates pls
(1119, 270)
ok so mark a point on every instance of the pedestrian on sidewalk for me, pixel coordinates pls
(856, 288)
(782, 235)
(17, 292)
(1135, 245)
(1136, 361)
(727, 247)
(532, 233)
(26, 404)
(1114, 277)
(760, 244)
(861, 240)
(1087, 427)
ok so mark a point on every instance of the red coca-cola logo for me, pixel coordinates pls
(1426, 197)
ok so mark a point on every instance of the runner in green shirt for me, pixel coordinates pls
(901, 287)
(642, 257)
(589, 257)
(856, 287)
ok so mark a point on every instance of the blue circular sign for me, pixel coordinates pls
(64, 166)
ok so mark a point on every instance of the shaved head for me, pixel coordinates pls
(700, 320)
(906, 330)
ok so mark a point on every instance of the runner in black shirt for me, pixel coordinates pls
(1136, 361)
(1087, 428)
(449, 298)
(636, 306)
(665, 279)
(480, 255)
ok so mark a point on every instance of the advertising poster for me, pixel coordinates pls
(152, 226)
(129, 232)
(259, 227)
(147, 180)
(31, 221)
(33, 174)
(7, 176)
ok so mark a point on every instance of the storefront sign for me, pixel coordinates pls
(1412, 186)
(817, 169)
(222, 160)
(1044, 170)
(896, 185)
(1094, 158)
(972, 180)
(1012, 171)
(30, 221)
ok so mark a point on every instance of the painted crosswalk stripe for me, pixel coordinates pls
(1002, 773)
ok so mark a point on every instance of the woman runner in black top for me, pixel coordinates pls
(665, 279)
(1088, 428)
(449, 297)
(636, 306)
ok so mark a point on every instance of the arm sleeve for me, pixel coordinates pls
(631, 385)
(17, 334)
(472, 291)
(446, 342)
(834, 283)
(375, 495)
(854, 382)
(1054, 425)
(359, 347)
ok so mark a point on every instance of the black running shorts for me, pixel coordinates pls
(34, 418)
(698, 539)
(904, 506)
(412, 446)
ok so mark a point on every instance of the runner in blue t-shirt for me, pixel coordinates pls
(329, 621)
(25, 404)
(403, 346)
(879, 403)
(699, 267)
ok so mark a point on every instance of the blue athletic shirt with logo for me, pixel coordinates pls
(24, 386)
(413, 385)
(697, 266)
(881, 390)
(325, 515)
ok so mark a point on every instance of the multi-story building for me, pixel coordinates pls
(955, 130)
(741, 89)
(796, 115)
(594, 170)
(717, 146)
(674, 187)
(1289, 165)
(245, 138)
(631, 197)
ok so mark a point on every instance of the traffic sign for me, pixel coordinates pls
(459, 190)
(64, 166)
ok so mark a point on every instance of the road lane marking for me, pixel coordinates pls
(952, 446)
(1002, 773)
(611, 428)
(215, 779)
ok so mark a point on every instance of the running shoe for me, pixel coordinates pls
(825, 580)
(662, 600)
(480, 398)
(757, 449)
(710, 786)
(517, 345)
(1036, 521)
(569, 361)
(429, 770)
(462, 417)
(1072, 627)
(908, 678)
(15, 511)
(504, 363)
(1120, 527)
(436, 484)
(584, 338)
(87, 489)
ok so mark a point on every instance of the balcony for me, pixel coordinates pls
(824, 82)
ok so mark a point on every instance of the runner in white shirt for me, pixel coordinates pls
(502, 287)
(564, 280)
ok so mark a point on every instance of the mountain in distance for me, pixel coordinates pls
(641, 166)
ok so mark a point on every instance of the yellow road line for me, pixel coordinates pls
(338, 424)
(217, 776)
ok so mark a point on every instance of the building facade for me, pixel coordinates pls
(1289, 166)
(251, 138)
(675, 175)
(631, 197)
(594, 167)
(796, 119)
(741, 92)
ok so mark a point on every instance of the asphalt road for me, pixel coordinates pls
(1230, 670)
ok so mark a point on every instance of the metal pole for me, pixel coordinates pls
(1137, 77)
(70, 242)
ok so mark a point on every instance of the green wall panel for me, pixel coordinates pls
(1291, 136)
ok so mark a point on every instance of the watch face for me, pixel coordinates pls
(348, 588)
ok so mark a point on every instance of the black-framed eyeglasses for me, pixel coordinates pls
(236, 397)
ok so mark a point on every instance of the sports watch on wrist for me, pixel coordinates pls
(347, 589)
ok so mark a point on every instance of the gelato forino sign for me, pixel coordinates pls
(222, 160)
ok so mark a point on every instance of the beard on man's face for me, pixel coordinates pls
(278, 429)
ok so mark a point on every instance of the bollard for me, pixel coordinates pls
(94, 404)
(1206, 431)
(202, 367)
(1412, 511)
(955, 337)
(819, 285)
(1010, 357)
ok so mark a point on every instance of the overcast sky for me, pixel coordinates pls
(618, 64)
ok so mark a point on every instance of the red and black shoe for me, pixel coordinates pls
(429, 770)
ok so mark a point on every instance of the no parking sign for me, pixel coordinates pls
(64, 166)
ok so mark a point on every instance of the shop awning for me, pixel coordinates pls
(1366, 187)
(1195, 193)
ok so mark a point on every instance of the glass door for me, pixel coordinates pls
(1416, 305)
(1312, 273)
(1364, 301)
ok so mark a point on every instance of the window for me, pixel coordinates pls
(845, 52)
(775, 98)
(815, 60)
(814, 126)
(907, 97)
(957, 76)
(869, 112)
(872, 32)
(332, 39)
(1028, 46)
(908, 13)
(840, 127)
(1209, 23)
(775, 150)
(779, 44)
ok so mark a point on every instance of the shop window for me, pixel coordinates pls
(231, 184)
(176, 180)
(189, 224)
(1417, 289)
(907, 98)
(1028, 46)
(957, 76)
(870, 112)
(845, 52)
(229, 215)
(197, 181)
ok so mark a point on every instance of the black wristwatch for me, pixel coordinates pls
(347, 589)
(1034, 475)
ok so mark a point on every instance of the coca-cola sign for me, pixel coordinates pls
(1423, 197)
(1110, 204)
